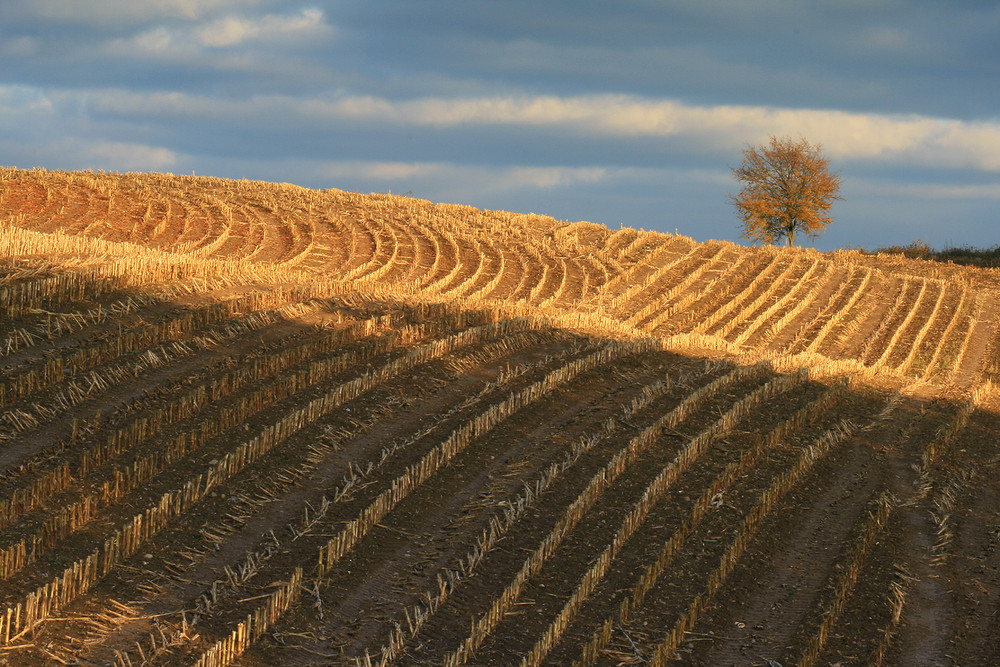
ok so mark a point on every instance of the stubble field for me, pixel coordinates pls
(253, 424)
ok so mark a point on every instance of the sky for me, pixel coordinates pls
(622, 113)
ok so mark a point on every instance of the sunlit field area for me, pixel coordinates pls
(250, 423)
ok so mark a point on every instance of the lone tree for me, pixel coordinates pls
(786, 188)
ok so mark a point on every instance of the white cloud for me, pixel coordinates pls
(156, 40)
(555, 177)
(119, 12)
(845, 135)
(909, 140)
(188, 43)
(233, 30)
(462, 177)
(121, 156)
(35, 126)
(17, 101)
(76, 153)
(383, 171)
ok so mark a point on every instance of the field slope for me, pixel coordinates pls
(254, 424)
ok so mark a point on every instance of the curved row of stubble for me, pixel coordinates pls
(766, 302)
(271, 256)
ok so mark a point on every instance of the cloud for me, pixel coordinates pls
(123, 12)
(73, 153)
(19, 46)
(39, 129)
(463, 177)
(186, 43)
(234, 30)
(156, 40)
(18, 102)
(124, 156)
(554, 177)
(945, 191)
(845, 135)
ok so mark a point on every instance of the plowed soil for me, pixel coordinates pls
(366, 444)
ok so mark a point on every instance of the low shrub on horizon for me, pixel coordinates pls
(965, 255)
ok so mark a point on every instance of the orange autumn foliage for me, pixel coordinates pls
(787, 188)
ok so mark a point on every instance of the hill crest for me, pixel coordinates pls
(906, 322)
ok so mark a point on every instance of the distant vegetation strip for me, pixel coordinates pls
(968, 255)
